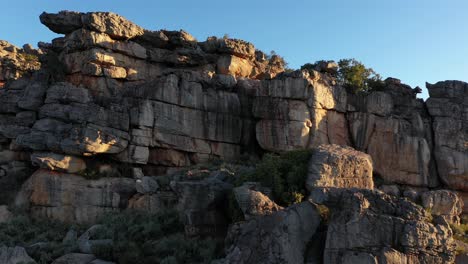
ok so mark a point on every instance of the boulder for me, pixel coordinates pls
(15, 255)
(281, 237)
(333, 166)
(233, 65)
(254, 203)
(443, 203)
(63, 22)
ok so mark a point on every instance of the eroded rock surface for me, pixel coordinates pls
(371, 227)
(339, 167)
(278, 238)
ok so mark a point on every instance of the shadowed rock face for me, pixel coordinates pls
(371, 227)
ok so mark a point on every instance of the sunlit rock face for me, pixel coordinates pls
(448, 106)
(300, 111)
(395, 129)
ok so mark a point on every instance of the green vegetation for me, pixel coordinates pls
(42, 238)
(137, 238)
(353, 75)
(460, 232)
(30, 57)
(285, 174)
(356, 77)
(151, 238)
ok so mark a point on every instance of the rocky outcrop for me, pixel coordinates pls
(371, 227)
(336, 166)
(443, 203)
(253, 202)
(394, 128)
(15, 62)
(448, 108)
(278, 238)
(299, 110)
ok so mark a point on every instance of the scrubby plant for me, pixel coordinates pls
(356, 77)
(42, 238)
(151, 238)
(460, 232)
(353, 75)
(285, 174)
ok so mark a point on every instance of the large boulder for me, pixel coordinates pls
(333, 166)
(278, 238)
(253, 202)
(117, 27)
(63, 22)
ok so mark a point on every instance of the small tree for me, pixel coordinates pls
(356, 77)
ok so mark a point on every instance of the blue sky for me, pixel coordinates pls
(413, 40)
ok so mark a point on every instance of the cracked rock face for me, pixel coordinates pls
(110, 98)
(448, 106)
(371, 227)
(278, 238)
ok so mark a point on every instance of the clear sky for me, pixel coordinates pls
(413, 40)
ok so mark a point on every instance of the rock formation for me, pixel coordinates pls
(106, 118)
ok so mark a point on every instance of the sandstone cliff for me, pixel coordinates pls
(95, 120)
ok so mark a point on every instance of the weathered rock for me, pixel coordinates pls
(234, 66)
(443, 203)
(147, 185)
(280, 135)
(72, 198)
(339, 167)
(369, 225)
(278, 238)
(58, 162)
(63, 22)
(398, 156)
(14, 255)
(254, 203)
(448, 107)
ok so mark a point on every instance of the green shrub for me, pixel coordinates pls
(356, 77)
(151, 238)
(24, 231)
(460, 232)
(353, 75)
(285, 174)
